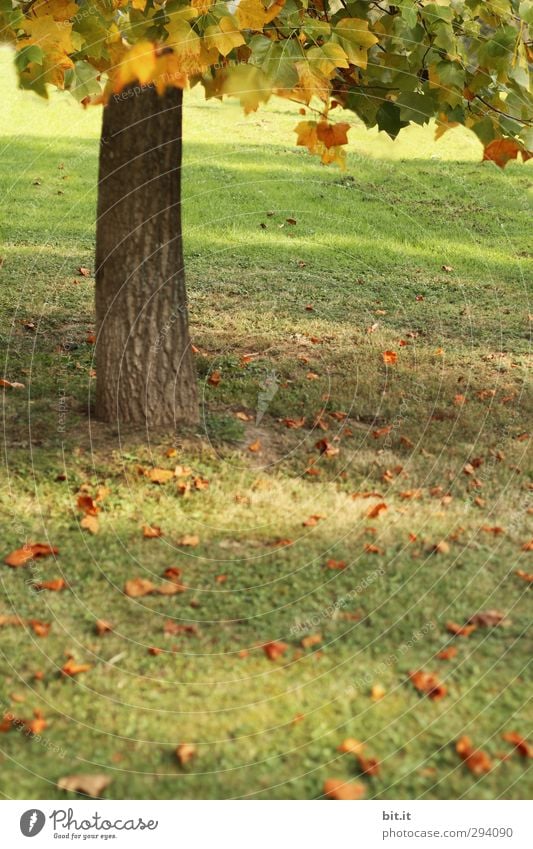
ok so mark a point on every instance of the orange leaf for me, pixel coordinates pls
(428, 684)
(335, 564)
(189, 540)
(477, 761)
(137, 587)
(87, 505)
(520, 743)
(311, 640)
(501, 151)
(152, 531)
(90, 523)
(72, 668)
(448, 653)
(54, 586)
(294, 424)
(526, 576)
(351, 746)
(28, 552)
(275, 650)
(332, 135)
(214, 378)
(390, 358)
(102, 627)
(460, 630)
(160, 476)
(368, 766)
(41, 629)
(374, 512)
(185, 753)
(343, 791)
(255, 446)
(382, 431)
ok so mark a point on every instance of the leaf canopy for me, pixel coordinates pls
(456, 61)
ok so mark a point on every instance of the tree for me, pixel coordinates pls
(455, 61)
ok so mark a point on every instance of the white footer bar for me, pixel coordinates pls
(268, 825)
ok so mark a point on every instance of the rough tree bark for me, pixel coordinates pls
(144, 363)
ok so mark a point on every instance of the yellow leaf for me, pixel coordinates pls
(249, 84)
(138, 65)
(224, 37)
(311, 83)
(251, 14)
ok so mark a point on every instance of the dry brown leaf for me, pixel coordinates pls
(477, 761)
(90, 784)
(460, 630)
(335, 564)
(525, 576)
(488, 619)
(102, 627)
(351, 746)
(86, 505)
(185, 752)
(294, 424)
(152, 531)
(189, 540)
(343, 791)
(368, 766)
(41, 629)
(375, 511)
(448, 653)
(520, 743)
(428, 684)
(311, 640)
(160, 476)
(72, 668)
(54, 586)
(137, 587)
(214, 378)
(90, 523)
(31, 551)
(274, 650)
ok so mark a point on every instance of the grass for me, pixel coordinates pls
(367, 251)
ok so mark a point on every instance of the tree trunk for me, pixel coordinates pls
(144, 364)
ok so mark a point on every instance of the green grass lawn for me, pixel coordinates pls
(319, 301)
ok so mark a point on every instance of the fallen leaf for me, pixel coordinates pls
(294, 424)
(525, 576)
(447, 653)
(390, 358)
(274, 650)
(351, 746)
(85, 272)
(90, 784)
(102, 627)
(343, 791)
(326, 448)
(160, 476)
(381, 431)
(311, 640)
(137, 587)
(8, 384)
(428, 684)
(370, 548)
(255, 447)
(214, 378)
(72, 668)
(375, 511)
(313, 520)
(185, 752)
(528, 546)
(520, 743)
(54, 586)
(86, 505)
(477, 761)
(90, 523)
(488, 619)
(377, 692)
(152, 531)
(460, 630)
(30, 551)
(368, 766)
(335, 564)
(441, 547)
(41, 629)
(189, 540)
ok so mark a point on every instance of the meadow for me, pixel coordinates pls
(336, 512)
